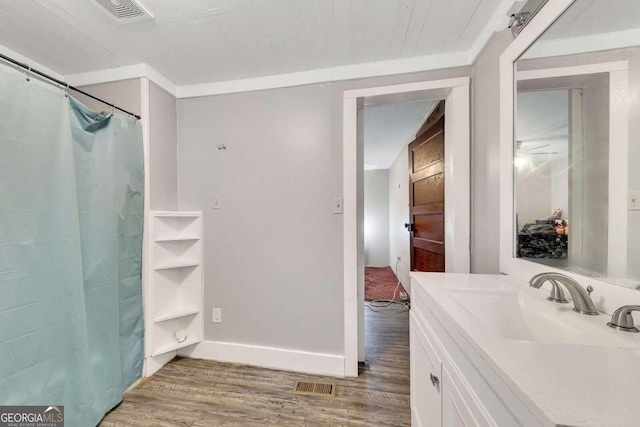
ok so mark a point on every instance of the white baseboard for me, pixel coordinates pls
(268, 357)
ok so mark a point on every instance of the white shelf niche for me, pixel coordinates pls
(175, 288)
(170, 226)
(165, 334)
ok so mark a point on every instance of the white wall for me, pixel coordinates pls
(399, 238)
(541, 188)
(533, 197)
(560, 185)
(273, 253)
(163, 152)
(125, 94)
(485, 156)
(376, 218)
(595, 177)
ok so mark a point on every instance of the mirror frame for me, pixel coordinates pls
(607, 296)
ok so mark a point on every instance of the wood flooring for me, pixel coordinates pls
(193, 392)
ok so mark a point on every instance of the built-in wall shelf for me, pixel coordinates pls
(177, 214)
(177, 239)
(174, 347)
(181, 312)
(175, 318)
(177, 264)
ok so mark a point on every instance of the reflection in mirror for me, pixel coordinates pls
(577, 127)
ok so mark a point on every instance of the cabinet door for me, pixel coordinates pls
(425, 379)
(455, 412)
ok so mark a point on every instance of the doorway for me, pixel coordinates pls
(455, 92)
(394, 133)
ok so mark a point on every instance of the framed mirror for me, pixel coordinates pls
(570, 135)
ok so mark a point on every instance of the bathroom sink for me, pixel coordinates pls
(518, 316)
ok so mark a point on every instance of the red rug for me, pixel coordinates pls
(379, 283)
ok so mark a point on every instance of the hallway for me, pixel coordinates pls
(192, 392)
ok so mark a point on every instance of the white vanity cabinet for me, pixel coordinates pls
(436, 399)
(426, 371)
(451, 385)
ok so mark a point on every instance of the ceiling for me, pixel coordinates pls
(200, 41)
(542, 125)
(389, 128)
(587, 17)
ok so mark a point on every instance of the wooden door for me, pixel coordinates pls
(426, 194)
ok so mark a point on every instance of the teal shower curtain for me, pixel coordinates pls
(71, 217)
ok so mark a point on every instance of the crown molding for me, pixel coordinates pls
(331, 74)
(322, 75)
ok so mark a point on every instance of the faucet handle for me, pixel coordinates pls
(622, 319)
(589, 289)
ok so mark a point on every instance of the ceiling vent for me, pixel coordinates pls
(125, 11)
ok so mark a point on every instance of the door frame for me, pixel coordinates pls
(456, 93)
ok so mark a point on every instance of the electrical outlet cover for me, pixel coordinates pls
(337, 205)
(634, 200)
(216, 315)
(216, 204)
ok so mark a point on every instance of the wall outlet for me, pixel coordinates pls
(634, 200)
(216, 204)
(337, 205)
(216, 315)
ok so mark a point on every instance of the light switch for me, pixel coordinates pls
(216, 315)
(216, 204)
(634, 200)
(337, 205)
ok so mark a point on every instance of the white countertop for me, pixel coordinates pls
(562, 384)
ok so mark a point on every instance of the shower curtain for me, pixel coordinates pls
(71, 216)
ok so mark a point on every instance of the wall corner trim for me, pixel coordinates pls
(268, 357)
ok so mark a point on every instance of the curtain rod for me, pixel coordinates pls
(67, 85)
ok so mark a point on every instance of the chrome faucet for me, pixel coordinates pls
(623, 320)
(582, 302)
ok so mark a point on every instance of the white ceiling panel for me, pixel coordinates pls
(200, 41)
(389, 128)
(543, 124)
(587, 17)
